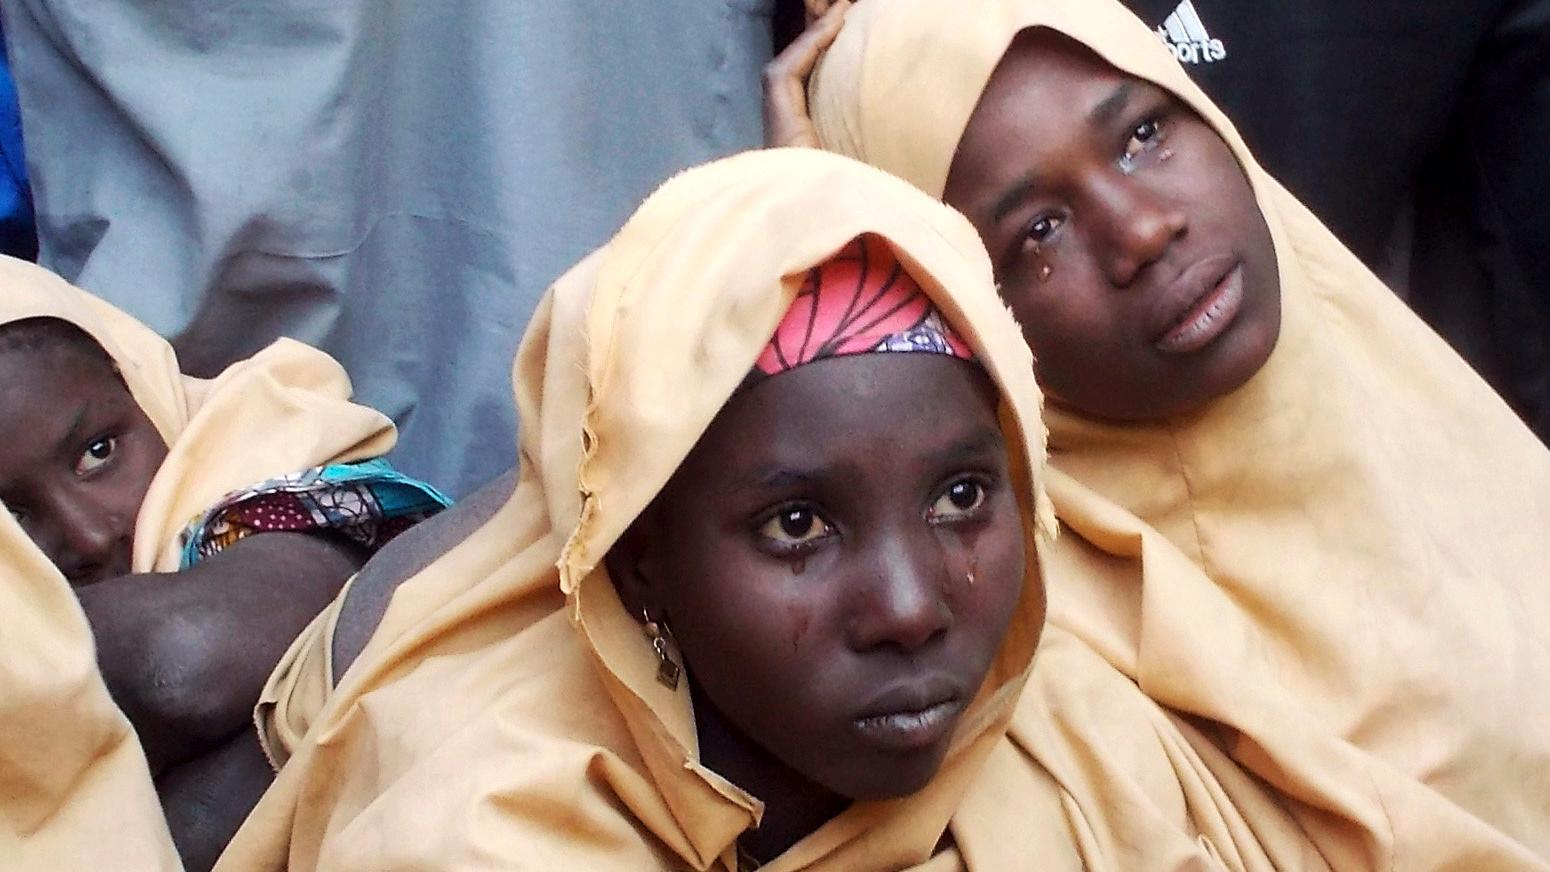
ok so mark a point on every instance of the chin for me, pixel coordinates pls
(886, 778)
(1252, 345)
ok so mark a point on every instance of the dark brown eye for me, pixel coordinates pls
(961, 498)
(99, 452)
(795, 526)
(1142, 136)
(1042, 227)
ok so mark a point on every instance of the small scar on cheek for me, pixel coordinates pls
(800, 620)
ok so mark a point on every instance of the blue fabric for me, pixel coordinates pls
(18, 235)
(354, 500)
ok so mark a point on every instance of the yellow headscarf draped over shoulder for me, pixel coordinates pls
(1374, 521)
(506, 713)
(282, 410)
(75, 792)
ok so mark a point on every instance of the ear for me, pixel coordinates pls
(628, 564)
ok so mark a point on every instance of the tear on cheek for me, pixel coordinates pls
(960, 560)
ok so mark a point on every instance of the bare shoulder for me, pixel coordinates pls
(412, 551)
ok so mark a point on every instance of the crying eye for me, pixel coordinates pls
(959, 500)
(96, 455)
(794, 527)
(1042, 227)
(1143, 136)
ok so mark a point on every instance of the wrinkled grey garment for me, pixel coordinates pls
(395, 181)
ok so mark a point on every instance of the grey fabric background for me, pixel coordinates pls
(394, 181)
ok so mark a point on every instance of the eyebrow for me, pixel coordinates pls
(1103, 114)
(1111, 106)
(77, 430)
(774, 477)
(1013, 197)
(984, 440)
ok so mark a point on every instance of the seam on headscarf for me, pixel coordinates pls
(573, 554)
(1189, 503)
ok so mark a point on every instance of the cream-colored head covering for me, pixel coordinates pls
(506, 713)
(283, 410)
(1375, 521)
(75, 792)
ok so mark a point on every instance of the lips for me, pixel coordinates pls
(1198, 306)
(911, 717)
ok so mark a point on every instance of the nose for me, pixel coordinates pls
(901, 598)
(1136, 225)
(89, 537)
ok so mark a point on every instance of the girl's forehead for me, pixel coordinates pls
(46, 334)
(846, 412)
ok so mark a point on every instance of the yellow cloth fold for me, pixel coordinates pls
(506, 714)
(299, 685)
(1374, 521)
(75, 792)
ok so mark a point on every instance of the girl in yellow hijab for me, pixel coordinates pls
(1227, 381)
(743, 606)
(522, 703)
(135, 486)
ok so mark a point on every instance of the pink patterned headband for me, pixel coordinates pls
(860, 301)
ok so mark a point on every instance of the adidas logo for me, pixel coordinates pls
(1185, 35)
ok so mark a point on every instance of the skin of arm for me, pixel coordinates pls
(404, 557)
(186, 654)
(206, 799)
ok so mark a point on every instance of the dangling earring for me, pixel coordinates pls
(667, 670)
(1045, 271)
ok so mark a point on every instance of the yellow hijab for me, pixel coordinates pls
(506, 714)
(75, 792)
(1374, 521)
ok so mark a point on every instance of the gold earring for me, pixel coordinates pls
(667, 670)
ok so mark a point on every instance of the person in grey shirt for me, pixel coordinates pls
(394, 182)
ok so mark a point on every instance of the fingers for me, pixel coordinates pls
(799, 58)
(786, 120)
(815, 9)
